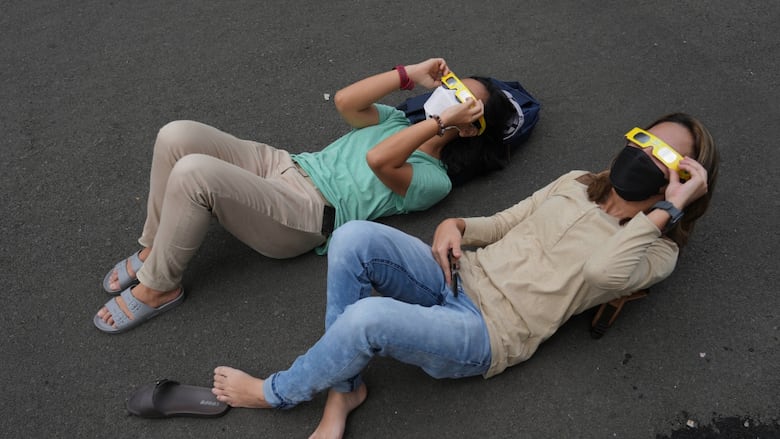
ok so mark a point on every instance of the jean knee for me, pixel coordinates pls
(353, 229)
(364, 319)
(350, 236)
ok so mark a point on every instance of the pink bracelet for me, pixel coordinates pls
(406, 81)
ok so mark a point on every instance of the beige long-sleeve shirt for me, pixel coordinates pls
(551, 256)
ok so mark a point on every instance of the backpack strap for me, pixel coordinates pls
(608, 312)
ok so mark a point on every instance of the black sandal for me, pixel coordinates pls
(166, 398)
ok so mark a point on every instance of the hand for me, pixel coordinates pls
(428, 73)
(446, 239)
(463, 115)
(682, 194)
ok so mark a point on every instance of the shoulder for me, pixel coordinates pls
(429, 184)
(573, 179)
(427, 170)
(584, 177)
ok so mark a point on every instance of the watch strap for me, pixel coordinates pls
(674, 213)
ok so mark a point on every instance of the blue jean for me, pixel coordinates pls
(417, 320)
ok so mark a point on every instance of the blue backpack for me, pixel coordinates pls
(515, 134)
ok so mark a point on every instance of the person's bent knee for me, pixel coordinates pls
(174, 134)
(365, 319)
(353, 227)
(350, 235)
(192, 173)
(176, 129)
(192, 163)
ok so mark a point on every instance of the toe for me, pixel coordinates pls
(113, 281)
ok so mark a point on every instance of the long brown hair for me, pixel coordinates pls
(705, 153)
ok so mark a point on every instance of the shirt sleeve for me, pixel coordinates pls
(634, 258)
(482, 231)
(386, 111)
(430, 184)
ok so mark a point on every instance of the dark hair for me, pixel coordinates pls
(704, 152)
(470, 157)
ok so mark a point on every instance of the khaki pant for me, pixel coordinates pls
(254, 190)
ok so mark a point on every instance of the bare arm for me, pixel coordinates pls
(388, 158)
(355, 102)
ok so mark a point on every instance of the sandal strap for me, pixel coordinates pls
(117, 314)
(121, 268)
(149, 407)
(160, 386)
(137, 308)
(123, 275)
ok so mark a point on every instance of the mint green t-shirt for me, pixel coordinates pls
(341, 173)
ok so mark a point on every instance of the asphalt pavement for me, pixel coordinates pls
(85, 85)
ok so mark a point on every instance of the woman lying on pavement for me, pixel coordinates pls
(283, 205)
(582, 240)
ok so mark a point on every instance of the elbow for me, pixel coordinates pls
(341, 101)
(374, 161)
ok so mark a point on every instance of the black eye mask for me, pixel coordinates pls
(635, 176)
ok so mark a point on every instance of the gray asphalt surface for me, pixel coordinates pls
(85, 85)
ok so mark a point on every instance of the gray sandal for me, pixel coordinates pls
(141, 312)
(125, 280)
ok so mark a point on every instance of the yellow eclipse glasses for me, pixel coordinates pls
(661, 150)
(462, 92)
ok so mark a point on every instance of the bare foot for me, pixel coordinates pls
(113, 281)
(337, 408)
(237, 388)
(148, 296)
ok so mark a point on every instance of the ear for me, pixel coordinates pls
(468, 130)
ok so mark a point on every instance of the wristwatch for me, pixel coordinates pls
(673, 212)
